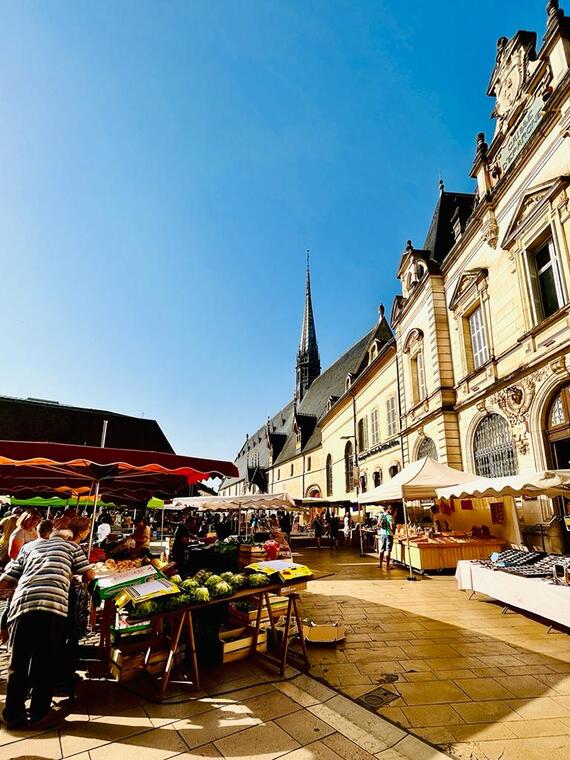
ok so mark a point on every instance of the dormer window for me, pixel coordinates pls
(348, 381)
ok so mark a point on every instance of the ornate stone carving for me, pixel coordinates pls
(516, 59)
(515, 401)
(490, 232)
(481, 406)
(558, 366)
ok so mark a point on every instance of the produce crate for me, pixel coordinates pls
(278, 606)
(237, 643)
(129, 631)
(249, 554)
(127, 661)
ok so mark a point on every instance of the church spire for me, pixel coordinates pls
(308, 362)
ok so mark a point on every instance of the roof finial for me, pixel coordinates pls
(381, 312)
(440, 183)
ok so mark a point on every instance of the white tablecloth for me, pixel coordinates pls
(534, 595)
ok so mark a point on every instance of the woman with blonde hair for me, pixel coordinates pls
(25, 531)
(8, 525)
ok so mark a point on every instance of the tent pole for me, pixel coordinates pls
(411, 576)
(103, 439)
(162, 527)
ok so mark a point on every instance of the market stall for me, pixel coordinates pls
(514, 506)
(161, 614)
(421, 543)
(520, 588)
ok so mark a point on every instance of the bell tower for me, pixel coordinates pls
(308, 361)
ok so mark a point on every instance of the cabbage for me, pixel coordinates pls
(200, 594)
(257, 579)
(227, 577)
(176, 578)
(222, 588)
(143, 610)
(212, 581)
(239, 580)
(189, 584)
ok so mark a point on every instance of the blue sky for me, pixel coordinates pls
(164, 166)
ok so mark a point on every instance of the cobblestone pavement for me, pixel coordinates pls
(242, 712)
(454, 671)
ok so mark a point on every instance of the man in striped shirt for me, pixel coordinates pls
(37, 620)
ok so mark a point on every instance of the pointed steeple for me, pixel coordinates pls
(308, 361)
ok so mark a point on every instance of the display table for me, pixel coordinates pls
(535, 595)
(181, 621)
(444, 554)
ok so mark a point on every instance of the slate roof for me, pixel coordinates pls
(440, 239)
(37, 420)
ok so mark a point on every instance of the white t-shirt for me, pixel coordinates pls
(103, 531)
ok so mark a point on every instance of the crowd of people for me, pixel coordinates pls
(327, 523)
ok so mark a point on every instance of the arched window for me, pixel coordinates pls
(348, 467)
(393, 470)
(427, 448)
(329, 476)
(377, 478)
(493, 449)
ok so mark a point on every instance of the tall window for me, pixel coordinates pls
(308, 464)
(391, 417)
(420, 377)
(427, 449)
(377, 478)
(292, 470)
(547, 295)
(478, 337)
(363, 434)
(374, 428)
(493, 448)
(329, 474)
(348, 467)
(363, 483)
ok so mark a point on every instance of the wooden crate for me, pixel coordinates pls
(278, 607)
(250, 554)
(237, 643)
(127, 661)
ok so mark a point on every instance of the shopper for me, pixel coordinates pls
(8, 525)
(77, 614)
(38, 617)
(334, 527)
(319, 528)
(45, 529)
(386, 539)
(25, 531)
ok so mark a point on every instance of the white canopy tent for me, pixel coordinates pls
(232, 503)
(418, 480)
(542, 483)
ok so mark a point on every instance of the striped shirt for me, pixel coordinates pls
(43, 571)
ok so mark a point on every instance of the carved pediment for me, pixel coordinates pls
(515, 63)
(467, 282)
(413, 340)
(531, 204)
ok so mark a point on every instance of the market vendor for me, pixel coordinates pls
(137, 544)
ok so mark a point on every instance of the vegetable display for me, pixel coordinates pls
(222, 588)
(257, 579)
(212, 581)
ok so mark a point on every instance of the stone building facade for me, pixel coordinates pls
(476, 357)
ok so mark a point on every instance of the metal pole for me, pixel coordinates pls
(162, 525)
(411, 576)
(103, 439)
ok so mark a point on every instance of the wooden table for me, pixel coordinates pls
(181, 620)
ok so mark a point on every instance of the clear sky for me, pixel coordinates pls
(164, 165)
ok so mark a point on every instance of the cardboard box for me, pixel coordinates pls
(237, 643)
(324, 634)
